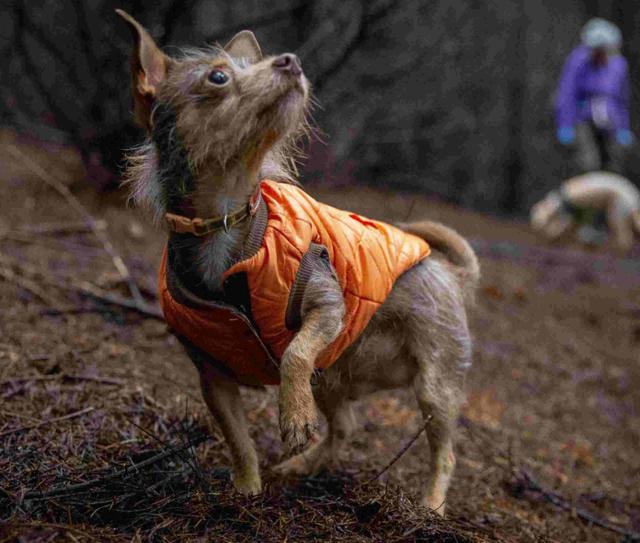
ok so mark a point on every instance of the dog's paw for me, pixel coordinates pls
(296, 465)
(247, 485)
(297, 430)
(306, 463)
(435, 501)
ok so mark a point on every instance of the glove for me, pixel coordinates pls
(624, 137)
(566, 135)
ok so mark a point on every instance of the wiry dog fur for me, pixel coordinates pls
(209, 145)
(601, 191)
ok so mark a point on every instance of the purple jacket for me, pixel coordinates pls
(593, 93)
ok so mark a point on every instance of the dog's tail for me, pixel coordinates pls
(454, 247)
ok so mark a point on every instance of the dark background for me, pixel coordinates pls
(448, 97)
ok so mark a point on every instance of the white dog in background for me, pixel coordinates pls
(583, 204)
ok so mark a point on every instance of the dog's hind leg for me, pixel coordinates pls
(621, 226)
(439, 403)
(222, 396)
(341, 420)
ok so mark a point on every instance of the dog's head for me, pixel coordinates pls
(226, 106)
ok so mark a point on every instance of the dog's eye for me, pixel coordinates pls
(218, 77)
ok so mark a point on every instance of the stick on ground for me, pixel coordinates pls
(62, 376)
(531, 484)
(398, 455)
(50, 421)
(96, 226)
(82, 287)
(70, 489)
(30, 286)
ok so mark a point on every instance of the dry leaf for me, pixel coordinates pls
(484, 408)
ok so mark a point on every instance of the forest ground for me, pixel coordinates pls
(552, 395)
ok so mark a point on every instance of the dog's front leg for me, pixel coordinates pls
(558, 226)
(222, 396)
(322, 313)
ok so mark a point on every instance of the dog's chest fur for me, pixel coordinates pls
(197, 262)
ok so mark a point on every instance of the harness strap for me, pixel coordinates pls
(259, 222)
(314, 259)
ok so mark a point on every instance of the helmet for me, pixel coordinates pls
(600, 33)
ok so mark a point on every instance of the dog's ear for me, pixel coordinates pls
(244, 45)
(148, 69)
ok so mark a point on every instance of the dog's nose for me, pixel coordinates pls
(288, 63)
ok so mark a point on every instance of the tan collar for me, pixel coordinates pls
(201, 227)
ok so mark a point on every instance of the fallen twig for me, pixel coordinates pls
(30, 286)
(70, 489)
(50, 421)
(62, 376)
(97, 229)
(144, 308)
(64, 528)
(529, 483)
(18, 415)
(177, 450)
(73, 311)
(398, 455)
(83, 287)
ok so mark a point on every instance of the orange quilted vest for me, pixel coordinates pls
(367, 257)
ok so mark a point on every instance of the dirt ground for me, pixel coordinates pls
(552, 394)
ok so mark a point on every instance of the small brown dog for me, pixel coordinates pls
(221, 120)
(582, 201)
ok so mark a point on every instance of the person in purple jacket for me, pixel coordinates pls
(592, 100)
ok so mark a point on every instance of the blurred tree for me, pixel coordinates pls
(449, 96)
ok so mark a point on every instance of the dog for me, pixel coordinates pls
(327, 304)
(590, 202)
